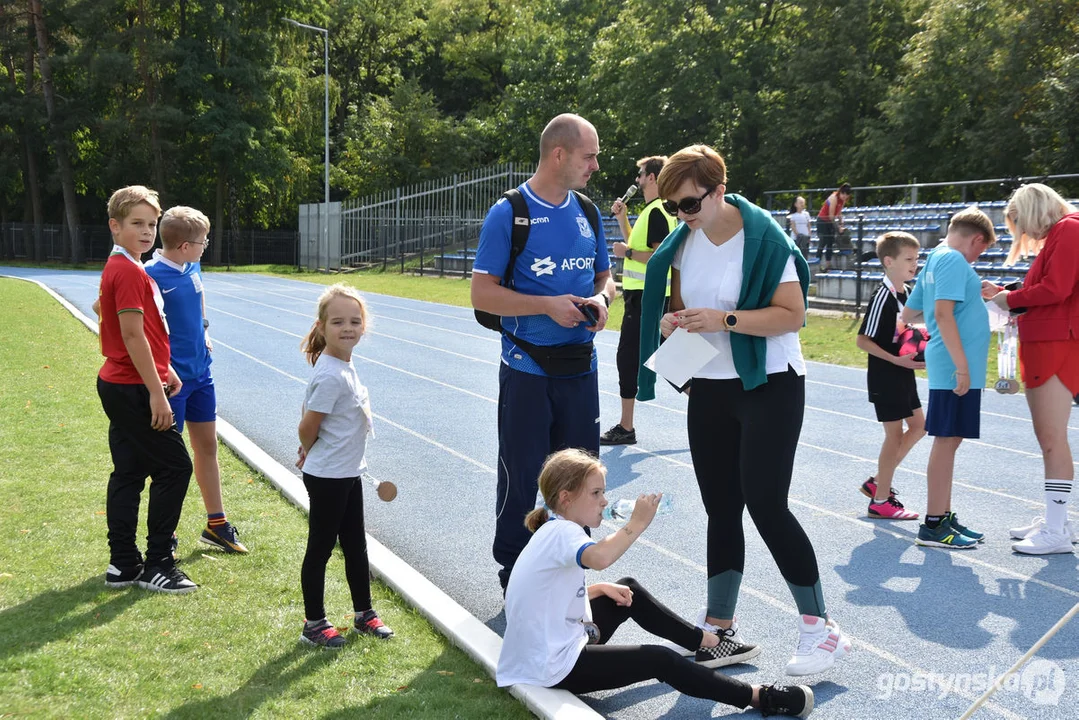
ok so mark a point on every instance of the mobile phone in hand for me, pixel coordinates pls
(590, 314)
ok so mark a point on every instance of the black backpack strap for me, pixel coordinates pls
(522, 223)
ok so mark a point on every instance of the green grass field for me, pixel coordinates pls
(69, 647)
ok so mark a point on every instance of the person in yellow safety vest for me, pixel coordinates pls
(653, 225)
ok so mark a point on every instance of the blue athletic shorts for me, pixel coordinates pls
(196, 401)
(950, 415)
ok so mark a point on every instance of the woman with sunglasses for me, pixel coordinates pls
(739, 281)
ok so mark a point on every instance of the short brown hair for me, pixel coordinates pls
(652, 165)
(121, 201)
(699, 164)
(972, 221)
(891, 243)
(182, 224)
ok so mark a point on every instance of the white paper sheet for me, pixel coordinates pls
(997, 318)
(680, 356)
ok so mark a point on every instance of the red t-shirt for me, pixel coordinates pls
(839, 203)
(125, 287)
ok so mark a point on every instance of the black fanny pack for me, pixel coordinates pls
(558, 361)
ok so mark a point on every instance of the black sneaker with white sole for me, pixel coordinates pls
(729, 651)
(122, 577)
(618, 435)
(792, 700)
(166, 579)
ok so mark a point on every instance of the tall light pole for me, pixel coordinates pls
(326, 109)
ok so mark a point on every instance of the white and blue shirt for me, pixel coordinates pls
(181, 290)
(562, 257)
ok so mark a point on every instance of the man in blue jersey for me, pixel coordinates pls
(176, 270)
(548, 395)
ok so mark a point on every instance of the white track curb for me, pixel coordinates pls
(480, 642)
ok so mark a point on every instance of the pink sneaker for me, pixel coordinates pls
(890, 509)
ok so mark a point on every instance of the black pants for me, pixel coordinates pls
(537, 415)
(138, 451)
(743, 445)
(629, 357)
(826, 232)
(603, 667)
(336, 513)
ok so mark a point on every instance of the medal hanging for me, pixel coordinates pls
(1008, 358)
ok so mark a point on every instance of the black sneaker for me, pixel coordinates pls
(322, 634)
(223, 537)
(369, 623)
(729, 651)
(166, 579)
(122, 577)
(618, 435)
(793, 700)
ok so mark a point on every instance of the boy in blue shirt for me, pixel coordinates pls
(949, 296)
(177, 271)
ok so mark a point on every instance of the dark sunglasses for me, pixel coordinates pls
(688, 206)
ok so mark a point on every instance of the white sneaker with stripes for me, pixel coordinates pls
(820, 644)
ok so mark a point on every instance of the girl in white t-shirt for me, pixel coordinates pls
(333, 436)
(557, 625)
(798, 221)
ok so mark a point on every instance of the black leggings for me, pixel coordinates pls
(336, 514)
(603, 667)
(743, 445)
(826, 232)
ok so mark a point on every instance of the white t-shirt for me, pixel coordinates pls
(711, 277)
(546, 606)
(335, 389)
(799, 223)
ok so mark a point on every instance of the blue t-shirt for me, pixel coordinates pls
(948, 276)
(560, 258)
(181, 288)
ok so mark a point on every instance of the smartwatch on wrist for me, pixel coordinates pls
(730, 321)
(629, 253)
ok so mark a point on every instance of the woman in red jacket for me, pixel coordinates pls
(1043, 223)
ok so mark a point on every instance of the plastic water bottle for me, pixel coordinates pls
(620, 510)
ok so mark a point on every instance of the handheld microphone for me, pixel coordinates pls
(630, 192)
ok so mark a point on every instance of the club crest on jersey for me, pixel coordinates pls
(584, 227)
(543, 266)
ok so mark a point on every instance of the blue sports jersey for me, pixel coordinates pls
(948, 276)
(181, 288)
(562, 257)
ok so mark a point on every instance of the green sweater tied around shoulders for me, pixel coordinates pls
(767, 249)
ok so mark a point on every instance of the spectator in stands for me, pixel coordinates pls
(798, 224)
(830, 223)
(737, 279)
(1043, 223)
(652, 226)
(893, 389)
(949, 295)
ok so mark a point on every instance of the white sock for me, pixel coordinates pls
(1057, 494)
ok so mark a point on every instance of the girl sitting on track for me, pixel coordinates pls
(557, 625)
(333, 436)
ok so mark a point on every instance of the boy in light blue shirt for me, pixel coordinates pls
(949, 297)
(177, 271)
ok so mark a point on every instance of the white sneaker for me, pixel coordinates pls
(1044, 541)
(820, 644)
(1022, 533)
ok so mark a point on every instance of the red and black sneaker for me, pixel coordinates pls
(322, 634)
(369, 623)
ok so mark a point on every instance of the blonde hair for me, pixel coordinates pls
(315, 341)
(698, 163)
(564, 470)
(121, 201)
(182, 224)
(1032, 210)
(891, 243)
(972, 221)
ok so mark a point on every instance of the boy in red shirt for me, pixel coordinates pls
(132, 385)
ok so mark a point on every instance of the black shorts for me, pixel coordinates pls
(897, 404)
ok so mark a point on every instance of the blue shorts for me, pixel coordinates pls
(196, 401)
(950, 415)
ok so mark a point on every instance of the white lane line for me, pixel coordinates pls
(762, 596)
